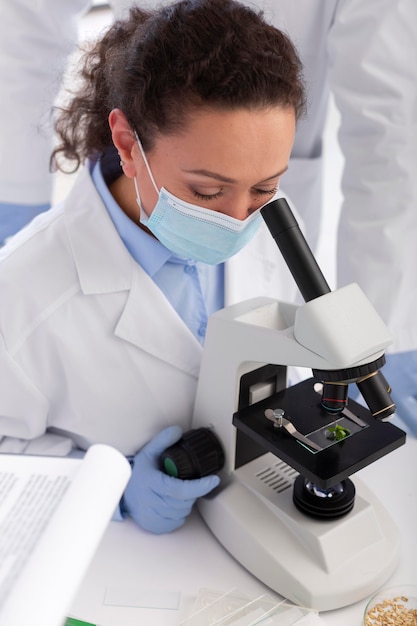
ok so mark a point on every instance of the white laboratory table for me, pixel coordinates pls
(135, 567)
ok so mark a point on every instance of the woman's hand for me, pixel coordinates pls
(158, 502)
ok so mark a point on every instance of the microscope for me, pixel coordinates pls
(286, 508)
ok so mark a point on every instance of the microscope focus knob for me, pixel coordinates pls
(198, 453)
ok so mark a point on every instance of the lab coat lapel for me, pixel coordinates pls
(102, 261)
(151, 323)
(104, 266)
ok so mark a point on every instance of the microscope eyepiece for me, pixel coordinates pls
(294, 248)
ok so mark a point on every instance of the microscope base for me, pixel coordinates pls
(319, 564)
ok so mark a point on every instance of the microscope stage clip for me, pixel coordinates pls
(354, 418)
(277, 417)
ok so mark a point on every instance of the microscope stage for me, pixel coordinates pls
(338, 459)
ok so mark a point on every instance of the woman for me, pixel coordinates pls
(107, 296)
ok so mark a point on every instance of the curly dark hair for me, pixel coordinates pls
(157, 66)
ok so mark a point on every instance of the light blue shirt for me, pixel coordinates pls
(194, 289)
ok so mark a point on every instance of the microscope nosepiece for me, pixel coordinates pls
(371, 383)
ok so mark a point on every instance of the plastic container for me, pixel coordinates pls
(396, 606)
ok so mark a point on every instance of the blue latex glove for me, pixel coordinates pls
(158, 502)
(14, 216)
(400, 371)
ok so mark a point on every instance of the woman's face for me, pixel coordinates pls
(227, 161)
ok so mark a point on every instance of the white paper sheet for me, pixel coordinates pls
(56, 511)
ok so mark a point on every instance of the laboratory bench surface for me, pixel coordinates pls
(135, 574)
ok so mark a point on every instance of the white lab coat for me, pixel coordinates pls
(362, 50)
(89, 345)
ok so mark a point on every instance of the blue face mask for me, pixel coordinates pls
(194, 232)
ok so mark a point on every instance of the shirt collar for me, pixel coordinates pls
(145, 249)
